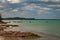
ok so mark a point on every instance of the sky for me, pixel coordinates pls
(39, 9)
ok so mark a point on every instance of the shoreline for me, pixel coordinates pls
(47, 36)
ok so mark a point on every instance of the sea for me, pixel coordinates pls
(46, 26)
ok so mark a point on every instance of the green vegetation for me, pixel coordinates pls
(18, 18)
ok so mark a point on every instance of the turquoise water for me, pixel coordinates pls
(45, 26)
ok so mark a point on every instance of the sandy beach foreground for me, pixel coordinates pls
(44, 37)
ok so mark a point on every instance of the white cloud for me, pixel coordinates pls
(30, 7)
(45, 8)
(35, 8)
(43, 12)
(49, 0)
(55, 0)
(3, 1)
(45, 0)
(27, 10)
(11, 1)
(14, 1)
(15, 10)
(54, 5)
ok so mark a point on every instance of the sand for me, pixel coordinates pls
(44, 37)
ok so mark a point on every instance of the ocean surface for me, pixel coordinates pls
(45, 26)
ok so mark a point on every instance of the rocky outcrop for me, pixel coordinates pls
(16, 33)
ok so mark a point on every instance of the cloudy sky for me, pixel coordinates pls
(42, 9)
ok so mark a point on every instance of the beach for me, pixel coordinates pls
(44, 37)
(48, 31)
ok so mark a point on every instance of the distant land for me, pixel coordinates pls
(20, 18)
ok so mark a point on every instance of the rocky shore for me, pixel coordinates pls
(44, 37)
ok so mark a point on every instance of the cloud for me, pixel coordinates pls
(11, 1)
(14, 1)
(1, 6)
(3, 1)
(44, 0)
(34, 8)
(50, 0)
(55, 0)
(54, 6)
(15, 10)
(30, 8)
